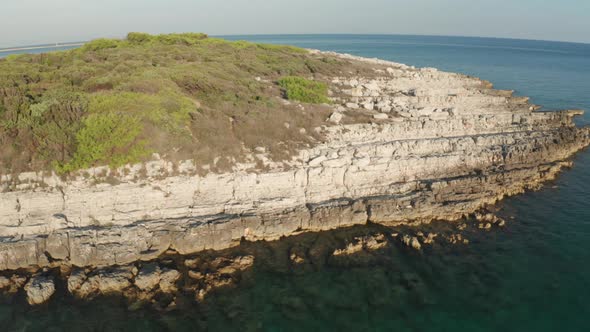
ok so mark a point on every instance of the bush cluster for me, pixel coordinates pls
(115, 101)
(304, 90)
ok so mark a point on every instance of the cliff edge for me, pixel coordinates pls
(395, 145)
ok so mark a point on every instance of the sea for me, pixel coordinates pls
(532, 275)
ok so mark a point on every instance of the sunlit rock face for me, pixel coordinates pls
(405, 145)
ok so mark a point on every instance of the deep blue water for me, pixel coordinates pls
(533, 275)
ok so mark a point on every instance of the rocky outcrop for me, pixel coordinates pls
(151, 276)
(157, 283)
(221, 272)
(105, 281)
(372, 242)
(175, 281)
(404, 146)
(39, 289)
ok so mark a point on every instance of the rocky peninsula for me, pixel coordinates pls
(390, 144)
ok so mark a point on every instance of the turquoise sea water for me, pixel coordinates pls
(533, 275)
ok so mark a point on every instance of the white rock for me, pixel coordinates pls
(363, 162)
(369, 106)
(336, 117)
(317, 161)
(380, 116)
(439, 116)
(372, 86)
(356, 92)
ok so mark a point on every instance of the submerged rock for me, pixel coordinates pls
(296, 259)
(12, 285)
(457, 239)
(39, 289)
(429, 239)
(411, 241)
(488, 219)
(358, 244)
(224, 265)
(4, 282)
(221, 272)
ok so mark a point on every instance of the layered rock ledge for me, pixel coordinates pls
(404, 146)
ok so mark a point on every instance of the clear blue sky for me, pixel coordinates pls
(25, 22)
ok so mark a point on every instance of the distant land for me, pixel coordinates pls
(37, 47)
(80, 43)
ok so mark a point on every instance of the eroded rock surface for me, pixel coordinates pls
(176, 280)
(104, 281)
(407, 146)
(39, 289)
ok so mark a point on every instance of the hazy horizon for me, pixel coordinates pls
(71, 20)
(299, 34)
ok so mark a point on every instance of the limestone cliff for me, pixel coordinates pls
(405, 145)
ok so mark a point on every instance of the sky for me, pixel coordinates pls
(30, 22)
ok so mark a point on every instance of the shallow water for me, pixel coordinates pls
(532, 275)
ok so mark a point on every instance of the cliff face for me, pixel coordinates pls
(437, 146)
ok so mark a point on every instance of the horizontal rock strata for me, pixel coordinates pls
(438, 146)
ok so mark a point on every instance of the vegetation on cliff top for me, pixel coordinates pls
(185, 96)
(304, 90)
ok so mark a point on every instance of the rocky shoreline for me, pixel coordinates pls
(404, 147)
(175, 280)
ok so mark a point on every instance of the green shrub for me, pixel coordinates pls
(180, 38)
(12, 57)
(168, 88)
(304, 90)
(107, 138)
(54, 121)
(167, 109)
(138, 38)
(101, 44)
(282, 48)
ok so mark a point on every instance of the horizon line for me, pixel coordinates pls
(77, 43)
